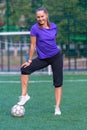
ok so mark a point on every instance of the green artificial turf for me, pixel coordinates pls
(39, 113)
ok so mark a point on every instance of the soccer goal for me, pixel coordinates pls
(14, 48)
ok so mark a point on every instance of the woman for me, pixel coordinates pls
(43, 38)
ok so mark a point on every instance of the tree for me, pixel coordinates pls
(68, 15)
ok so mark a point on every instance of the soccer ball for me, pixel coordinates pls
(18, 110)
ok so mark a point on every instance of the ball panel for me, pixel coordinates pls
(17, 110)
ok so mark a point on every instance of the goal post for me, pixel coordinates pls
(14, 47)
(14, 33)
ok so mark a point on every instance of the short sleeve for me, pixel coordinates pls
(55, 27)
(33, 31)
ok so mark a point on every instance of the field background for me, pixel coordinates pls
(40, 109)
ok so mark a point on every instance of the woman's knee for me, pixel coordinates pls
(23, 70)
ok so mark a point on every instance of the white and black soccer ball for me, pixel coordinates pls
(18, 110)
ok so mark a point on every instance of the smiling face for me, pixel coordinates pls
(42, 18)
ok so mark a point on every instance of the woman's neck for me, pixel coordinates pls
(44, 26)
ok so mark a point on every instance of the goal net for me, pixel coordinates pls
(14, 48)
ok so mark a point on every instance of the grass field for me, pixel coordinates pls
(40, 109)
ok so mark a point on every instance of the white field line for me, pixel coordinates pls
(41, 81)
(33, 81)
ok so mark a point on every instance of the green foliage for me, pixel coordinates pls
(69, 15)
(83, 3)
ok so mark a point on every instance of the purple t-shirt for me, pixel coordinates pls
(45, 40)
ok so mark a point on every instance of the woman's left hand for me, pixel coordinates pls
(25, 64)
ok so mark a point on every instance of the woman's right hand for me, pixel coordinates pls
(25, 64)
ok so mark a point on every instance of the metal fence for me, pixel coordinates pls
(14, 51)
(70, 18)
